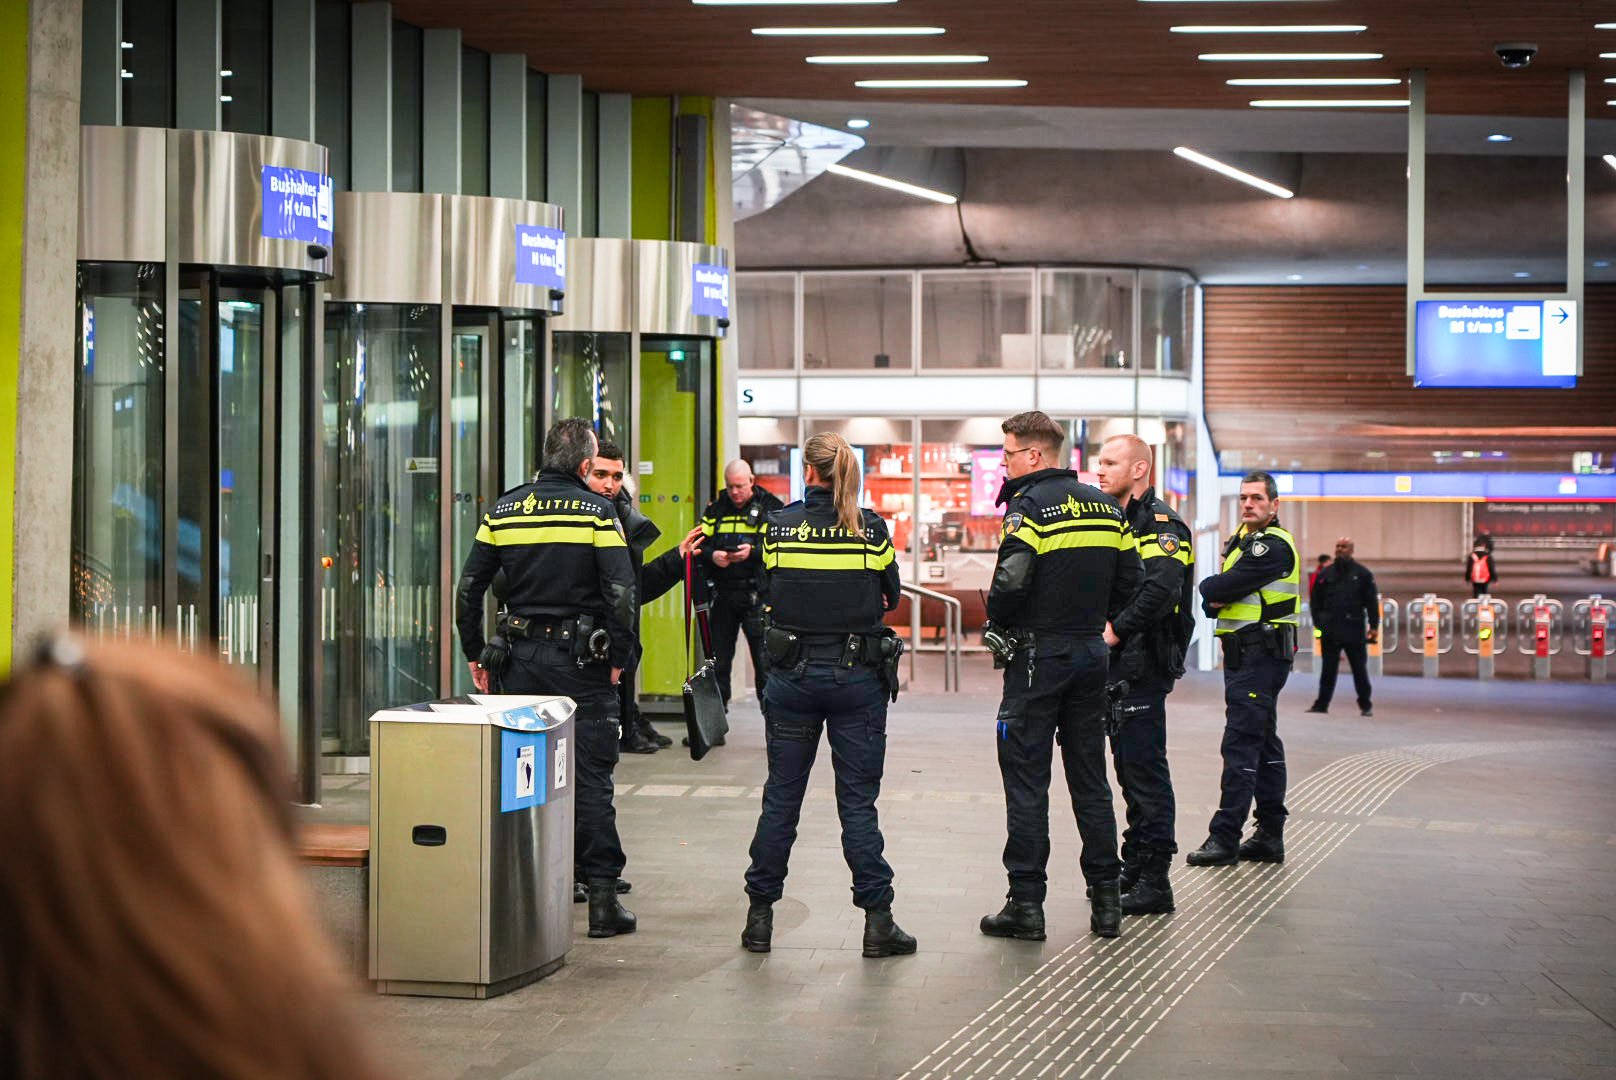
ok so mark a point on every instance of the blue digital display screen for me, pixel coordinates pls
(1496, 343)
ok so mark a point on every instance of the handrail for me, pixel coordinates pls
(953, 632)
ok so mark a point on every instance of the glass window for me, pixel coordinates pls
(888, 451)
(976, 320)
(332, 63)
(473, 122)
(589, 184)
(766, 320)
(767, 444)
(589, 377)
(537, 130)
(239, 508)
(148, 64)
(857, 321)
(1166, 318)
(1088, 319)
(244, 30)
(118, 452)
(958, 518)
(407, 74)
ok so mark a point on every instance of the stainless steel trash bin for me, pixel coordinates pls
(471, 844)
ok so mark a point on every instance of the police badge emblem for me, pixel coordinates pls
(1259, 549)
(1168, 543)
(1012, 522)
(529, 503)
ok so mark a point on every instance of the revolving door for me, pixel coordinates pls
(197, 319)
(435, 327)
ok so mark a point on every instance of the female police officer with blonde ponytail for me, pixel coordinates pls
(829, 576)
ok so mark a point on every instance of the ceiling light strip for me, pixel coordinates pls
(939, 84)
(1273, 57)
(941, 58)
(1336, 28)
(893, 185)
(1610, 159)
(1322, 81)
(848, 31)
(782, 3)
(1232, 173)
(1330, 103)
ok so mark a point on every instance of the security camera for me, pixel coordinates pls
(1515, 54)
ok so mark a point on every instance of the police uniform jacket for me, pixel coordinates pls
(727, 527)
(1344, 598)
(821, 579)
(1067, 561)
(1260, 582)
(562, 549)
(1163, 610)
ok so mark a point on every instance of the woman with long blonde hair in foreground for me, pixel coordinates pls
(153, 919)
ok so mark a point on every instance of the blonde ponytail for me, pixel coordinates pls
(836, 463)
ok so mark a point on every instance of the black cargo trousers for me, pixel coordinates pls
(1139, 754)
(543, 667)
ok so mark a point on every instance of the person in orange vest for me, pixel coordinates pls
(1480, 569)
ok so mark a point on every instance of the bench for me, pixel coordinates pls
(336, 859)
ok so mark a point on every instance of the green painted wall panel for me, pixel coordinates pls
(13, 192)
(669, 498)
(653, 168)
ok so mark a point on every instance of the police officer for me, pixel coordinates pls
(1254, 601)
(1148, 640)
(734, 523)
(1067, 564)
(570, 603)
(830, 575)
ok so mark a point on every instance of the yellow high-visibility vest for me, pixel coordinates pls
(1276, 602)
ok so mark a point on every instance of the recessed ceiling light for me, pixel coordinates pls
(939, 84)
(1330, 103)
(125, 73)
(781, 3)
(858, 123)
(1500, 138)
(1232, 173)
(1293, 277)
(894, 185)
(848, 31)
(126, 44)
(1363, 266)
(1322, 80)
(1522, 274)
(225, 73)
(1601, 263)
(1331, 28)
(1258, 58)
(1605, 26)
(943, 58)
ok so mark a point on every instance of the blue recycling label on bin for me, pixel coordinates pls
(541, 257)
(710, 295)
(297, 205)
(523, 757)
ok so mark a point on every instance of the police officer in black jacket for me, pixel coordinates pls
(570, 604)
(733, 524)
(830, 575)
(1067, 564)
(1344, 600)
(1148, 639)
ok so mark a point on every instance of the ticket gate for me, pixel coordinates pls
(1540, 631)
(1309, 658)
(1592, 621)
(1484, 627)
(1429, 624)
(1387, 642)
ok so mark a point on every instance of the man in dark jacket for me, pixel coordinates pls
(1345, 601)
(734, 524)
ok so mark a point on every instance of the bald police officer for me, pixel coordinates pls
(1254, 601)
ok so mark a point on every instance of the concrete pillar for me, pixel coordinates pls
(197, 58)
(101, 82)
(291, 52)
(39, 111)
(371, 99)
(507, 125)
(616, 165)
(564, 157)
(440, 112)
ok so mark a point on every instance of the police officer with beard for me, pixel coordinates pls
(570, 603)
(1067, 564)
(1148, 641)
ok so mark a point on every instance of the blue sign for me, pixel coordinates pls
(522, 770)
(1472, 486)
(1496, 343)
(297, 205)
(710, 291)
(541, 257)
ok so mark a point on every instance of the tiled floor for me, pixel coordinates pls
(1446, 910)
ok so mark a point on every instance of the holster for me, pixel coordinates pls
(591, 644)
(782, 647)
(1003, 644)
(1115, 694)
(888, 650)
(1234, 652)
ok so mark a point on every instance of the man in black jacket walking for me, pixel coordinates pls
(1344, 602)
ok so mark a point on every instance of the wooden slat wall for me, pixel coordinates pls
(1306, 377)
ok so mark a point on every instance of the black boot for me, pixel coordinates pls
(635, 742)
(1152, 893)
(1264, 846)
(623, 887)
(1133, 864)
(607, 917)
(1105, 916)
(1023, 919)
(883, 937)
(1214, 852)
(580, 893)
(759, 927)
(653, 734)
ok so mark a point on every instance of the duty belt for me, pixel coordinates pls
(835, 648)
(529, 628)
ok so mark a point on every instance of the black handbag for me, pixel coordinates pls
(706, 722)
